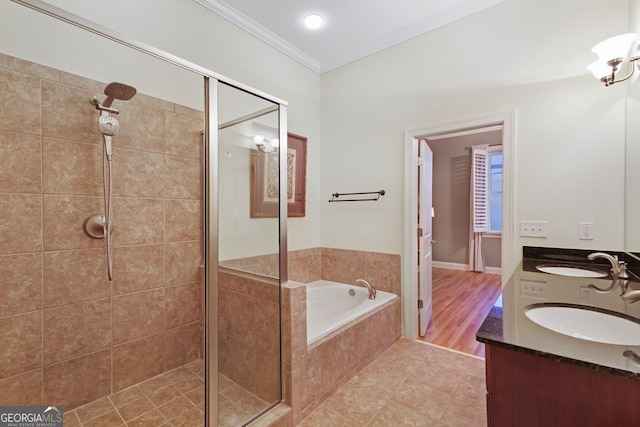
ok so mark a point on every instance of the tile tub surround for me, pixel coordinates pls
(312, 373)
(338, 265)
(68, 335)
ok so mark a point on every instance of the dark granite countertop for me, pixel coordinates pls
(507, 326)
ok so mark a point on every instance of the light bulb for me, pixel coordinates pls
(600, 69)
(313, 21)
(275, 142)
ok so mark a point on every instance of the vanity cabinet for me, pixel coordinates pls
(528, 390)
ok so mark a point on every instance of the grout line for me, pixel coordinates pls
(450, 349)
(42, 331)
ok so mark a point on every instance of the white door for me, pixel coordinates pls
(425, 185)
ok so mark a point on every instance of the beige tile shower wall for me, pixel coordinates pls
(249, 333)
(68, 335)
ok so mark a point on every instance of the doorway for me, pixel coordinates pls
(508, 255)
(466, 278)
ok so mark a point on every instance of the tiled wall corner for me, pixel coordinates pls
(95, 336)
(305, 265)
(345, 266)
(249, 336)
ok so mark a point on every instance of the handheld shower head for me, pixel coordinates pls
(108, 126)
(119, 91)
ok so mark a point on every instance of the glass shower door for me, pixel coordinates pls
(249, 255)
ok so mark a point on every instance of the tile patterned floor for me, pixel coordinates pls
(174, 398)
(411, 384)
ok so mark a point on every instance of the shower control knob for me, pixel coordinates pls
(94, 226)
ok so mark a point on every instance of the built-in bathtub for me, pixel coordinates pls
(332, 306)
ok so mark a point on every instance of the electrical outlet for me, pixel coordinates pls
(529, 288)
(586, 231)
(533, 229)
(586, 295)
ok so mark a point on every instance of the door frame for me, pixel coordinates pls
(425, 240)
(509, 255)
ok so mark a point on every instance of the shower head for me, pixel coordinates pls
(108, 125)
(119, 91)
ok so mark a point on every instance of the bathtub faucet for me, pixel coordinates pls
(370, 288)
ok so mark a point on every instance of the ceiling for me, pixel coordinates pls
(353, 29)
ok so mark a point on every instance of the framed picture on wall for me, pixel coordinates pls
(264, 180)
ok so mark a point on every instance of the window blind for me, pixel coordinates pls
(480, 190)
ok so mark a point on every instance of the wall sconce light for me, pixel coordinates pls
(264, 145)
(612, 52)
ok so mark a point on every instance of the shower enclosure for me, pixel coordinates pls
(174, 314)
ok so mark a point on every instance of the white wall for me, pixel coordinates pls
(189, 31)
(522, 55)
(632, 187)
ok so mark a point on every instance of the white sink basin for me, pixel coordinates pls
(570, 271)
(586, 323)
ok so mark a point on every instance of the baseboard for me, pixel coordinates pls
(464, 267)
(450, 265)
(493, 270)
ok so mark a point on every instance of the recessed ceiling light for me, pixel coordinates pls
(313, 21)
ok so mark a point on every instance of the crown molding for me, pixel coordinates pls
(448, 16)
(252, 27)
(431, 23)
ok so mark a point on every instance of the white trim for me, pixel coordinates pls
(252, 27)
(509, 256)
(84, 24)
(464, 267)
(451, 265)
(492, 235)
(431, 23)
(492, 270)
(466, 132)
(424, 26)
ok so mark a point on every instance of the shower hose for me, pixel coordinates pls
(108, 226)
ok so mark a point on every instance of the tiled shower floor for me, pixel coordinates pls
(174, 398)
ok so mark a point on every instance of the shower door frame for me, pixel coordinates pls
(211, 182)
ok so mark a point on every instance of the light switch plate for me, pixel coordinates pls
(533, 229)
(529, 288)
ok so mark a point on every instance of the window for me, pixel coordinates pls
(495, 189)
(487, 189)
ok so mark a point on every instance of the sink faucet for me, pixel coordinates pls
(631, 296)
(618, 268)
(370, 288)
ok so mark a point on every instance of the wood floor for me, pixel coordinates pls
(461, 301)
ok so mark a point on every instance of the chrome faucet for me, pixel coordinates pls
(631, 296)
(618, 268)
(620, 273)
(370, 288)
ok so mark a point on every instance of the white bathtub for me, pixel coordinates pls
(330, 306)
